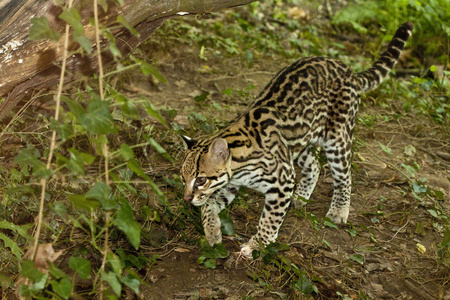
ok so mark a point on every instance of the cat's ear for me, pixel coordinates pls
(219, 149)
(188, 142)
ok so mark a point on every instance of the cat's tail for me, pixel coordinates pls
(372, 77)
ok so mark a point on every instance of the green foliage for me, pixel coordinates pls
(124, 221)
(274, 262)
(81, 266)
(73, 18)
(209, 255)
(89, 212)
(247, 34)
(431, 20)
(41, 30)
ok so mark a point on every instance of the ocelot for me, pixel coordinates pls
(311, 103)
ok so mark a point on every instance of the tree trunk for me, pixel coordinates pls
(27, 65)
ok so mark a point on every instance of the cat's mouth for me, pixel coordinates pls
(199, 202)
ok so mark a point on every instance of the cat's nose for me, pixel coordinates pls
(188, 198)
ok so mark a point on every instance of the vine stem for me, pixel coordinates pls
(53, 139)
(105, 146)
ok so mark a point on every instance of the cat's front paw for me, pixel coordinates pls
(247, 248)
(338, 215)
(213, 236)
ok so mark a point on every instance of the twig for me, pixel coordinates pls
(106, 248)
(53, 140)
(99, 51)
(105, 146)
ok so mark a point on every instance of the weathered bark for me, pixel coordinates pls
(26, 65)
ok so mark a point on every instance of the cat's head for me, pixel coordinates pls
(205, 168)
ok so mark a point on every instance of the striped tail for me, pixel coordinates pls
(371, 78)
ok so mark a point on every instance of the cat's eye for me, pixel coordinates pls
(200, 181)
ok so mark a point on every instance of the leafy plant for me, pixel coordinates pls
(274, 262)
(430, 18)
(209, 255)
(82, 129)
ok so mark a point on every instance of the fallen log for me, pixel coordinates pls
(27, 65)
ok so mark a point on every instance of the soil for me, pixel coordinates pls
(375, 256)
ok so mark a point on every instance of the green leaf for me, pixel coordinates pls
(80, 201)
(22, 230)
(410, 150)
(134, 166)
(210, 263)
(202, 53)
(104, 5)
(75, 107)
(228, 92)
(102, 193)
(114, 262)
(126, 151)
(433, 68)
(124, 220)
(29, 156)
(41, 30)
(148, 69)
(226, 222)
(5, 281)
(56, 272)
(385, 148)
(201, 98)
(125, 24)
(436, 215)
(98, 119)
(127, 106)
(160, 149)
(76, 162)
(220, 251)
(114, 50)
(73, 18)
(81, 266)
(409, 169)
(84, 42)
(152, 111)
(100, 141)
(446, 239)
(358, 258)
(63, 288)
(304, 285)
(9, 243)
(64, 131)
(111, 278)
(329, 223)
(438, 194)
(132, 282)
(418, 188)
(326, 243)
(37, 287)
(29, 271)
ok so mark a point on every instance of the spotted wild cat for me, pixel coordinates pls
(312, 102)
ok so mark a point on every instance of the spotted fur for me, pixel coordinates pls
(311, 103)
